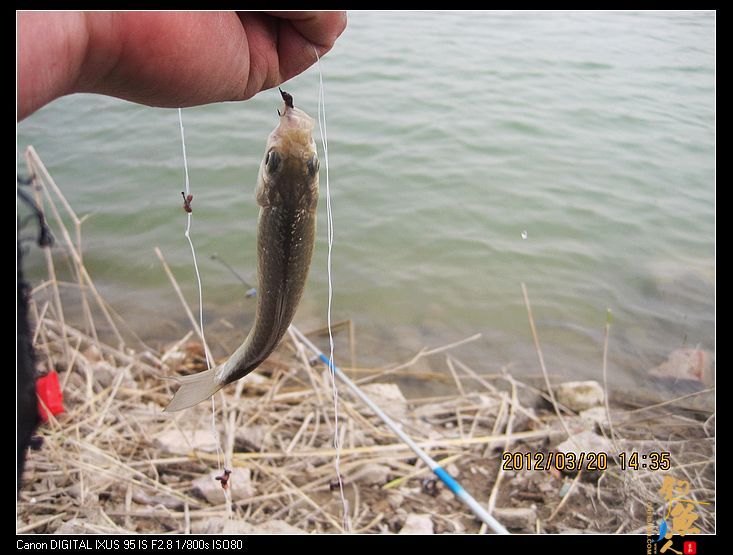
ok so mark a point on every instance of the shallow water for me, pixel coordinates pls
(452, 137)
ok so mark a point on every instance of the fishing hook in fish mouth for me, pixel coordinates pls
(287, 97)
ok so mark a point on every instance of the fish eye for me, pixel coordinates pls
(272, 160)
(313, 164)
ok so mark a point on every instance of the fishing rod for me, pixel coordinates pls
(438, 470)
(251, 291)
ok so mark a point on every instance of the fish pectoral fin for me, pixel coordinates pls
(193, 390)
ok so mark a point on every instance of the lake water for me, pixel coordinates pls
(470, 152)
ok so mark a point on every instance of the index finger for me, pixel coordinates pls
(319, 28)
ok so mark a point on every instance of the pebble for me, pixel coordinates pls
(395, 499)
(172, 441)
(579, 396)
(521, 518)
(594, 417)
(417, 524)
(269, 527)
(388, 397)
(251, 438)
(371, 473)
(240, 486)
(586, 442)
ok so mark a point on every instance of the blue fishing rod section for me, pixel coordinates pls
(450, 482)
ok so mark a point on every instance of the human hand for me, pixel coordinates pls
(167, 59)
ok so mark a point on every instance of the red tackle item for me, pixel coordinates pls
(49, 391)
(187, 202)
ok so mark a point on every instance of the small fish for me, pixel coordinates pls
(287, 192)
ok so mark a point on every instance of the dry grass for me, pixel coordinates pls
(114, 462)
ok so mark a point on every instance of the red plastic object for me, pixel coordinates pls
(49, 391)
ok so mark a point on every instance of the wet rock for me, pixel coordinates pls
(687, 364)
(240, 486)
(523, 518)
(417, 524)
(579, 396)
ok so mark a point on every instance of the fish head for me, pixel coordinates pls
(289, 170)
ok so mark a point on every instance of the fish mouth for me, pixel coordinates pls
(295, 128)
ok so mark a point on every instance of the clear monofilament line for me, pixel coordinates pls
(329, 233)
(209, 360)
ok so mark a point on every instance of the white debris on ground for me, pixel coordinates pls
(417, 524)
(579, 396)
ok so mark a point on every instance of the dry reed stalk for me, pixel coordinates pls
(500, 473)
(34, 160)
(670, 401)
(421, 354)
(565, 497)
(536, 339)
(312, 376)
(452, 369)
(318, 453)
(51, 269)
(77, 227)
(118, 354)
(186, 308)
(494, 390)
(607, 405)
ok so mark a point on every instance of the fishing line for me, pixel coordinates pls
(209, 361)
(329, 233)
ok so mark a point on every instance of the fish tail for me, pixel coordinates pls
(193, 390)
